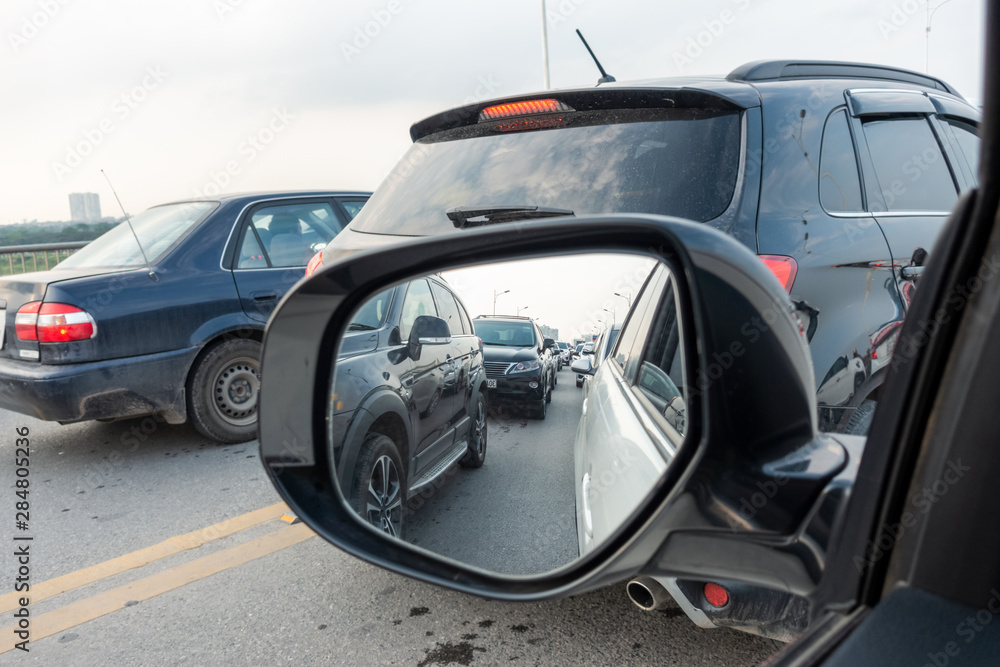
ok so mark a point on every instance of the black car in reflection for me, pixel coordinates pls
(408, 399)
(519, 367)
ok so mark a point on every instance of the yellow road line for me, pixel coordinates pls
(174, 545)
(62, 619)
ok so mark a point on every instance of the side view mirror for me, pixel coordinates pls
(548, 343)
(391, 459)
(427, 330)
(583, 366)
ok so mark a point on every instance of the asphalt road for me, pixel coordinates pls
(516, 514)
(153, 546)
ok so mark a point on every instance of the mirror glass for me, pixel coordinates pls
(458, 423)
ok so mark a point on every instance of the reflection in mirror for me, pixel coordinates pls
(455, 423)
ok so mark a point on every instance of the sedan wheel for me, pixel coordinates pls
(223, 391)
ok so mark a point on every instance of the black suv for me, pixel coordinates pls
(518, 362)
(839, 175)
(410, 399)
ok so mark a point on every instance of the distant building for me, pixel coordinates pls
(85, 206)
(549, 332)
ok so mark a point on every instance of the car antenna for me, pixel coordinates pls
(605, 77)
(152, 274)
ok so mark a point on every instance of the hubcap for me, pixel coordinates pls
(236, 389)
(384, 503)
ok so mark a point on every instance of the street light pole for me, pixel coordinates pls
(545, 48)
(520, 309)
(495, 295)
(628, 299)
(614, 318)
(927, 32)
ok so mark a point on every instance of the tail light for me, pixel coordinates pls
(53, 323)
(784, 268)
(314, 263)
(716, 595)
(526, 115)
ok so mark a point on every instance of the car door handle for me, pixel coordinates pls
(264, 296)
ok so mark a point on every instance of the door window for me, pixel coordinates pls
(418, 302)
(634, 335)
(287, 235)
(910, 166)
(839, 182)
(448, 309)
(352, 207)
(967, 136)
(661, 378)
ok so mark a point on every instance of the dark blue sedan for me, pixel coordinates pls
(167, 320)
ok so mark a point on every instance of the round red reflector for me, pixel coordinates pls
(716, 595)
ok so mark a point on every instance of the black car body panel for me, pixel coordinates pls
(423, 404)
(848, 287)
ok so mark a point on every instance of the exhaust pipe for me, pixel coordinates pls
(647, 593)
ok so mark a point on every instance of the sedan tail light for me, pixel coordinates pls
(784, 268)
(314, 263)
(53, 323)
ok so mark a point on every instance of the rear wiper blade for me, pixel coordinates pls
(475, 216)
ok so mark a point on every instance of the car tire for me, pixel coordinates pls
(379, 480)
(542, 405)
(548, 393)
(477, 435)
(223, 391)
(579, 381)
(555, 380)
(861, 421)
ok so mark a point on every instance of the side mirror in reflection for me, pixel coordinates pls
(409, 461)
(548, 344)
(427, 330)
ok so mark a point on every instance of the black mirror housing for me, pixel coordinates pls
(751, 417)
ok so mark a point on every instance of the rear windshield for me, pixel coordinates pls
(157, 228)
(683, 163)
(510, 334)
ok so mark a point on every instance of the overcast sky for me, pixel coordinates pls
(184, 97)
(574, 294)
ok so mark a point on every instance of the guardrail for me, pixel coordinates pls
(16, 259)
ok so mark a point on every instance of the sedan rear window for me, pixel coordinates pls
(157, 228)
(682, 162)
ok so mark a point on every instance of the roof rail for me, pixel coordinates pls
(501, 317)
(775, 70)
